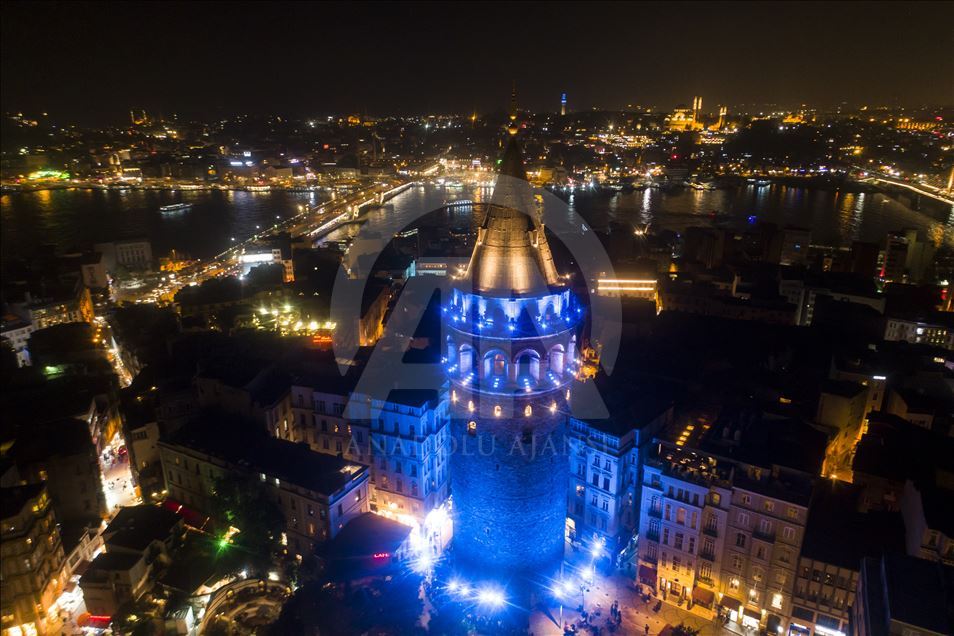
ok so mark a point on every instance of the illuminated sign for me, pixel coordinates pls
(257, 258)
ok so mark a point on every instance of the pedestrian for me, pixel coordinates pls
(647, 629)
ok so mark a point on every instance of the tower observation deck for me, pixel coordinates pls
(510, 356)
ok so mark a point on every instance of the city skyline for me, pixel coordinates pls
(364, 319)
(198, 61)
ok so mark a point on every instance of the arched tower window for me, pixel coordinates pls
(495, 365)
(466, 359)
(528, 365)
(557, 359)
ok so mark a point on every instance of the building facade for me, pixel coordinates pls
(722, 534)
(317, 494)
(33, 562)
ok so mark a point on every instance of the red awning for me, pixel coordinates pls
(647, 575)
(730, 603)
(192, 517)
(703, 596)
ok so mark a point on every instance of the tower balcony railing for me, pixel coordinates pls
(535, 327)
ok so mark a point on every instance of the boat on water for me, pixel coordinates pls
(759, 183)
(175, 208)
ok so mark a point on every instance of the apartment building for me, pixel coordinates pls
(317, 494)
(32, 564)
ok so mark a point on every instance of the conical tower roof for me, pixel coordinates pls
(512, 256)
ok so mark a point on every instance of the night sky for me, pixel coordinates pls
(91, 62)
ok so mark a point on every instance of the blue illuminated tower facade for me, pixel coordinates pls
(511, 335)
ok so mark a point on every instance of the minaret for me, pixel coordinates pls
(563, 104)
(511, 328)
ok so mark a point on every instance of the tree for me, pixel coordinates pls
(243, 502)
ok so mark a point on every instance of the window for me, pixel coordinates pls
(666, 536)
(733, 584)
(743, 519)
(736, 562)
(705, 570)
(594, 500)
(606, 484)
(777, 600)
(668, 512)
(500, 364)
(679, 540)
(792, 513)
(788, 533)
(768, 505)
(605, 506)
(681, 516)
(765, 526)
(740, 540)
(692, 545)
(746, 500)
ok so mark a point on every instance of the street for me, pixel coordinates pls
(636, 614)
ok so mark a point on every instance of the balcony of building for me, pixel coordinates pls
(711, 531)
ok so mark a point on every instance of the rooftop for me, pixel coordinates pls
(838, 534)
(895, 449)
(909, 590)
(238, 443)
(13, 499)
(109, 562)
(367, 535)
(136, 527)
(512, 256)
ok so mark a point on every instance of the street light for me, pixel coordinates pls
(491, 597)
